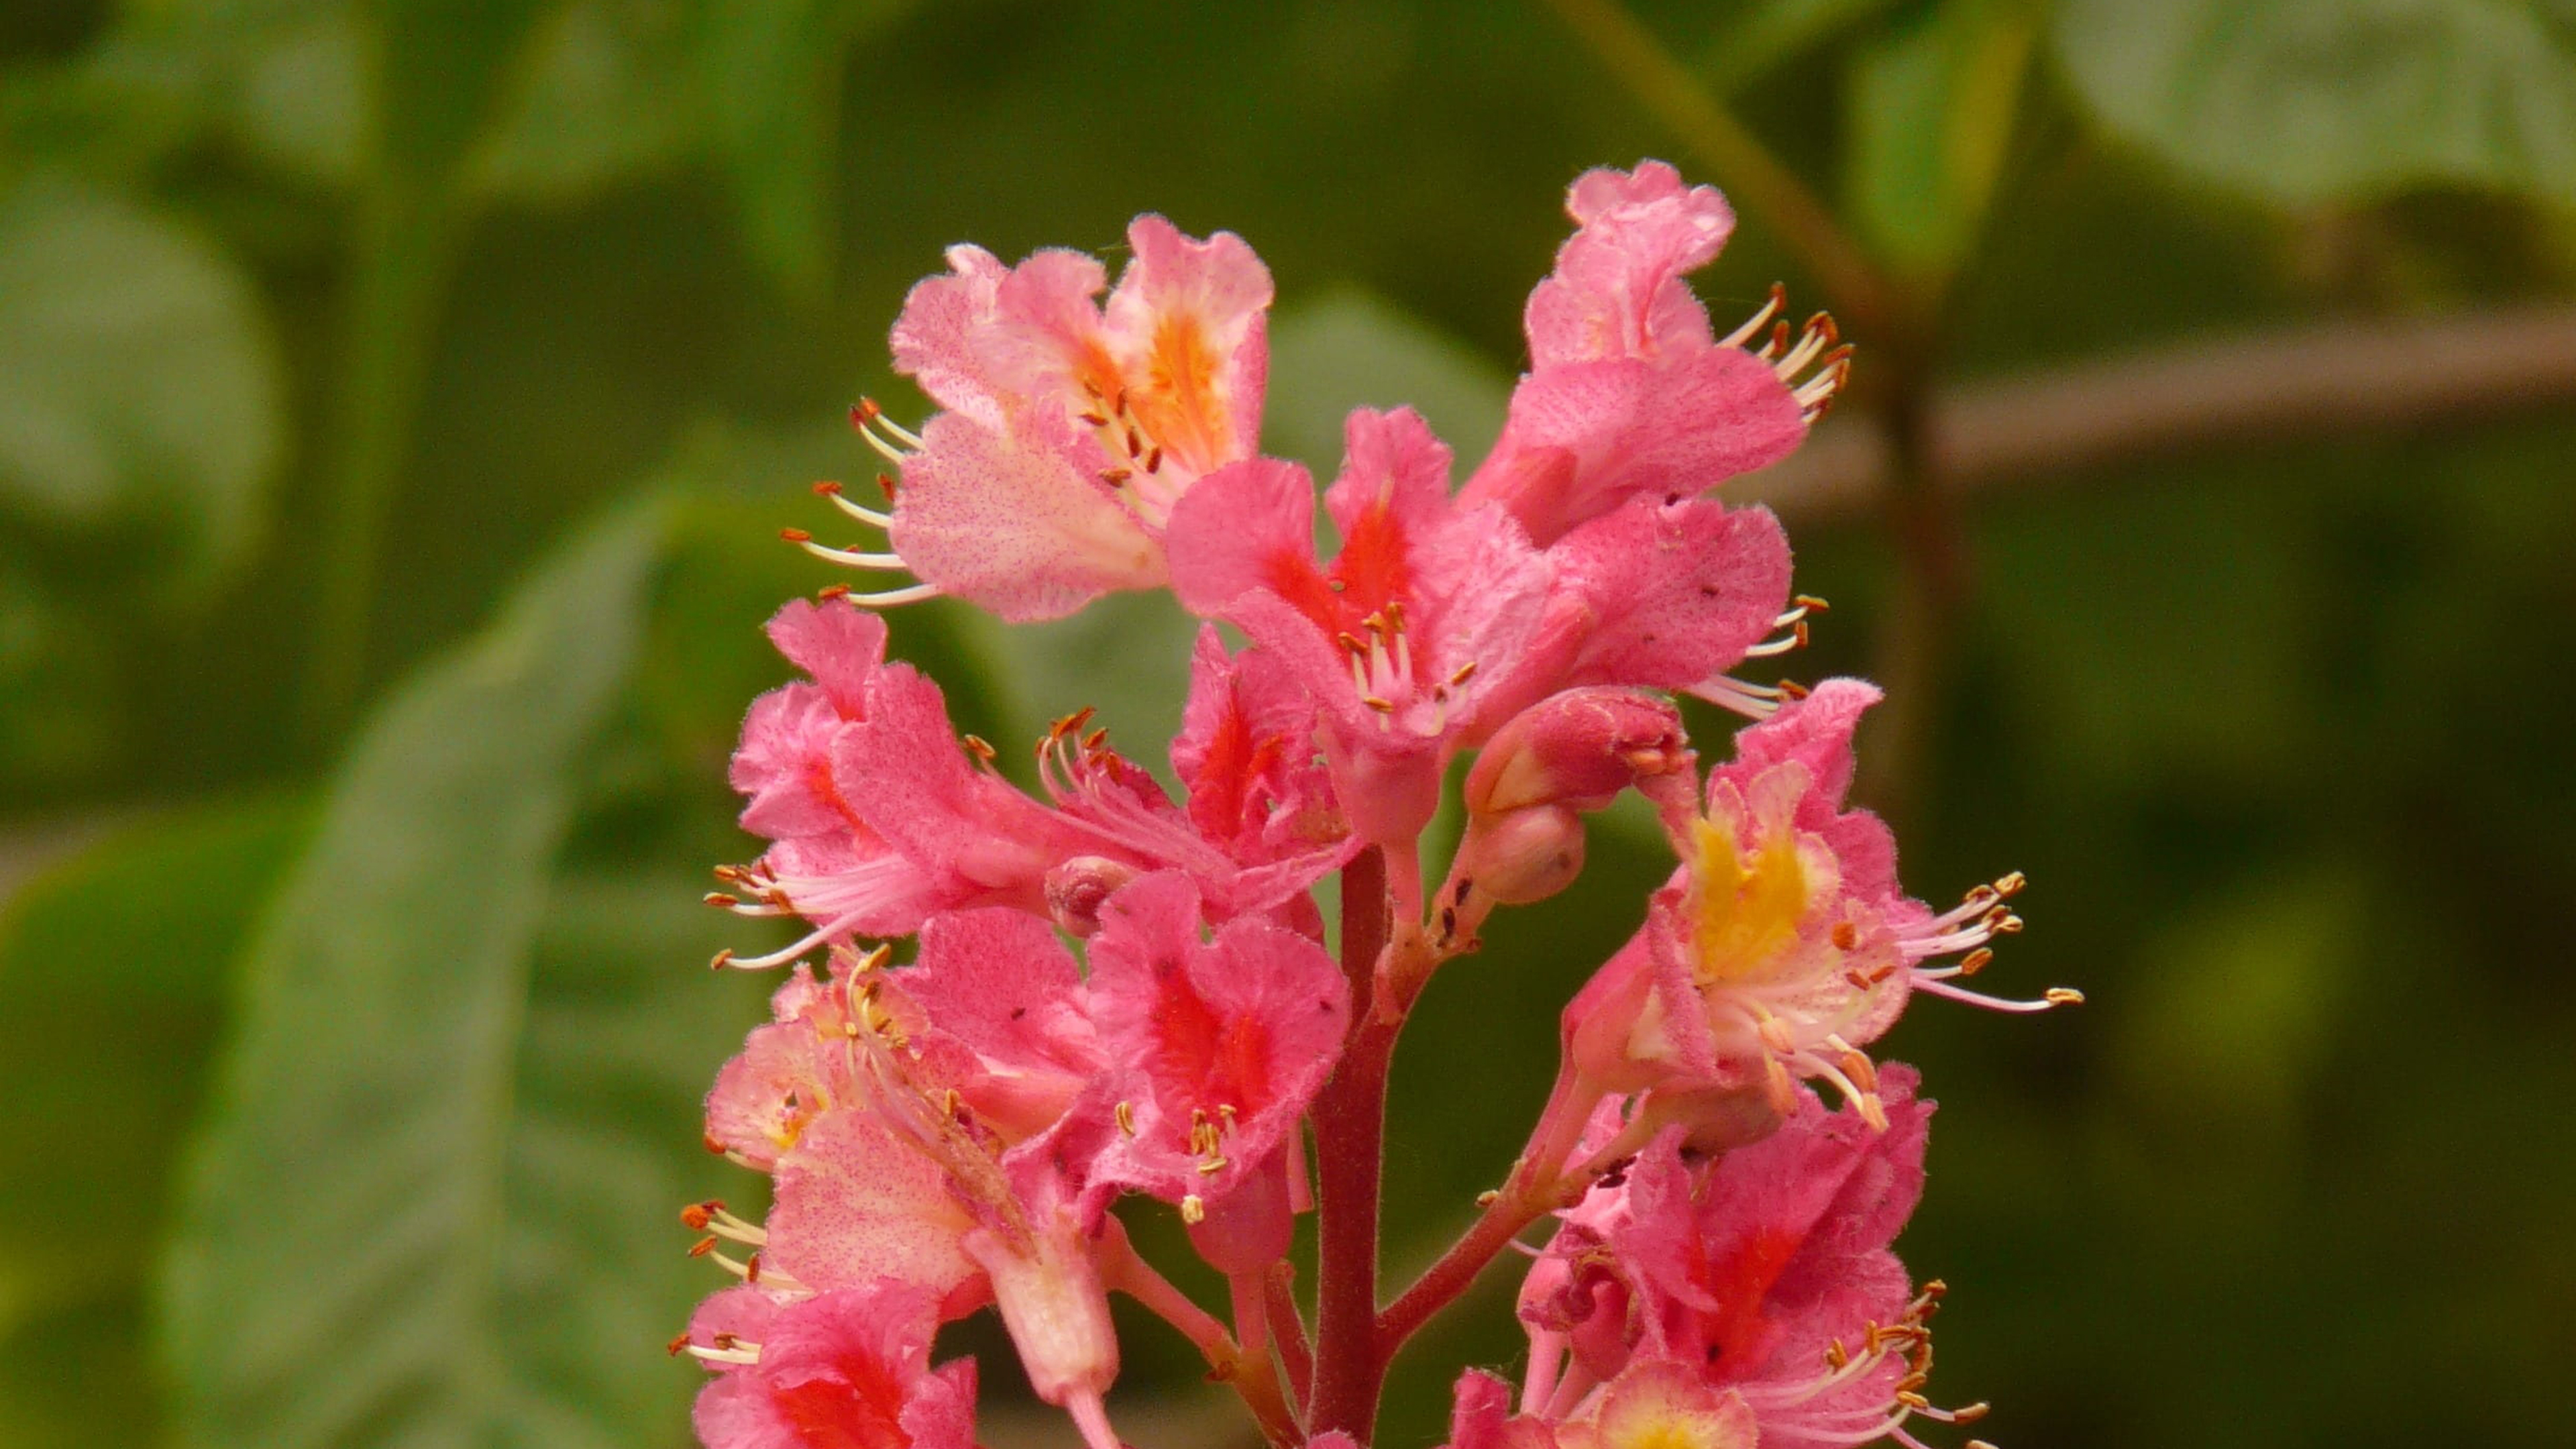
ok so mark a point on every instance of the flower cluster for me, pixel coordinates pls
(1117, 989)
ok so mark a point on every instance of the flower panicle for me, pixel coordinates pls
(1024, 999)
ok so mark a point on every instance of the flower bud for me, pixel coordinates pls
(1076, 887)
(1579, 749)
(1522, 856)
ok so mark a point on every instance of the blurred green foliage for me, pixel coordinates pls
(398, 403)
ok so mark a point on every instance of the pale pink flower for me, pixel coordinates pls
(911, 1184)
(1783, 945)
(843, 1370)
(1630, 393)
(1071, 429)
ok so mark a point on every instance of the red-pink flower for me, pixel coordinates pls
(843, 1370)
(1630, 394)
(1219, 1045)
(1402, 635)
(1070, 429)
(880, 815)
(1766, 1274)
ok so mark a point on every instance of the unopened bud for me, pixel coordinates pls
(1076, 888)
(1522, 855)
(1579, 749)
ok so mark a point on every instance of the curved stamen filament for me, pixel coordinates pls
(1772, 307)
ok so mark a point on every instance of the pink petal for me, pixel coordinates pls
(856, 1202)
(784, 764)
(1000, 983)
(916, 788)
(1190, 322)
(1016, 521)
(1617, 290)
(934, 338)
(1582, 438)
(1674, 592)
(838, 643)
(1238, 1032)
(1244, 527)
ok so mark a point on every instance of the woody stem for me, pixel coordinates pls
(1350, 1127)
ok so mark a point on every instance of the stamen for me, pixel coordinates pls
(897, 431)
(1753, 325)
(888, 598)
(850, 557)
(841, 501)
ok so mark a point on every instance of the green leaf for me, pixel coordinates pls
(771, 76)
(1348, 349)
(2305, 102)
(625, 1028)
(139, 386)
(1931, 110)
(594, 102)
(113, 960)
(336, 1277)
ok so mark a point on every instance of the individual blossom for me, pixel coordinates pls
(1400, 636)
(1783, 944)
(1766, 1274)
(1651, 1406)
(841, 1370)
(1220, 1045)
(1070, 428)
(1548, 766)
(880, 814)
(908, 1181)
(1630, 392)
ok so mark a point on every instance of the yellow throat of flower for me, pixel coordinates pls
(1749, 902)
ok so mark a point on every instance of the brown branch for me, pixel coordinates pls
(2284, 386)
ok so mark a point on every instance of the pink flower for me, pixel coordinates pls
(1766, 1274)
(911, 1184)
(789, 1072)
(844, 1370)
(1220, 1045)
(880, 815)
(1784, 944)
(1070, 429)
(1650, 1406)
(1630, 394)
(1400, 637)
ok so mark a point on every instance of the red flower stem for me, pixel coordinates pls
(1538, 1185)
(1288, 1330)
(1251, 1375)
(1350, 1131)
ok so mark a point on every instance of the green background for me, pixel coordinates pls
(398, 404)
